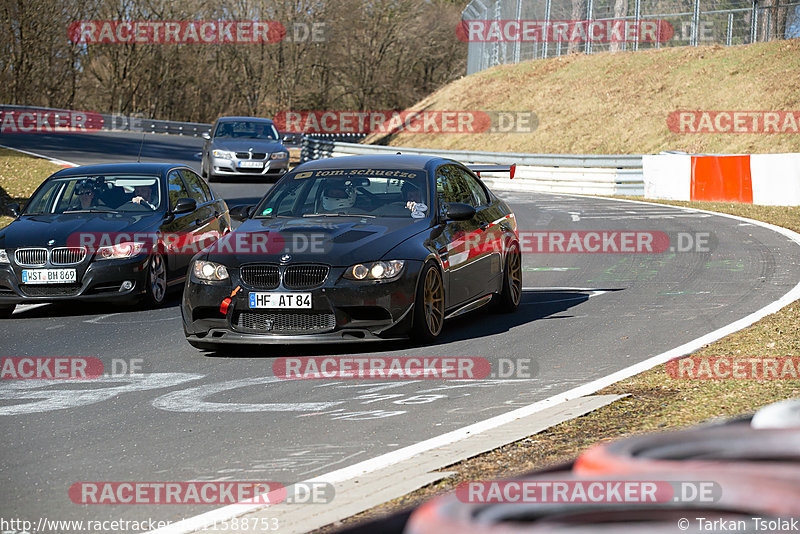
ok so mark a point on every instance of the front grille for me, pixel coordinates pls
(67, 255)
(61, 290)
(254, 155)
(286, 323)
(31, 257)
(304, 276)
(260, 276)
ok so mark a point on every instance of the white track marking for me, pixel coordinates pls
(62, 399)
(193, 399)
(61, 162)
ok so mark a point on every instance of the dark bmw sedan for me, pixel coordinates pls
(356, 248)
(108, 232)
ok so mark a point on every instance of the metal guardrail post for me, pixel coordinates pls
(754, 22)
(637, 15)
(546, 39)
(589, 14)
(518, 42)
(695, 23)
(729, 33)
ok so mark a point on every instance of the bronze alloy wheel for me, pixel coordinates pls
(434, 301)
(428, 305)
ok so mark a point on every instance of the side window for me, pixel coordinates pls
(478, 192)
(452, 187)
(197, 187)
(176, 188)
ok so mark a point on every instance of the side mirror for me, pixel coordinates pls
(240, 213)
(205, 135)
(456, 211)
(13, 208)
(184, 205)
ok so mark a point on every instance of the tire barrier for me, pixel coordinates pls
(738, 497)
(754, 472)
(736, 448)
(784, 414)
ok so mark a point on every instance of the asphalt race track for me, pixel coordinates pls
(207, 416)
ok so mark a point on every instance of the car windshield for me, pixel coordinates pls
(246, 130)
(343, 192)
(94, 193)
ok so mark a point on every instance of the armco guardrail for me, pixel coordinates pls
(136, 123)
(557, 173)
(110, 122)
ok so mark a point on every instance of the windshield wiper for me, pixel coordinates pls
(338, 215)
(89, 211)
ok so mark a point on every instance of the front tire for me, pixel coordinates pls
(428, 305)
(6, 311)
(507, 301)
(156, 281)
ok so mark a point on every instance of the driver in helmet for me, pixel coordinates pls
(338, 197)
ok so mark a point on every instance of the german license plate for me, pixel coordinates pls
(280, 300)
(251, 164)
(49, 276)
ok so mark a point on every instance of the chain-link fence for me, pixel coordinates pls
(510, 31)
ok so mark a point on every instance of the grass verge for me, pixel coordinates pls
(655, 401)
(20, 175)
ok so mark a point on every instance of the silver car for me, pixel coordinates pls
(243, 146)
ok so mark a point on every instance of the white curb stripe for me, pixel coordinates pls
(61, 162)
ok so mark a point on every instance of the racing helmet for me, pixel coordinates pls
(338, 196)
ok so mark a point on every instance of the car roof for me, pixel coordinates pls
(381, 161)
(118, 168)
(231, 119)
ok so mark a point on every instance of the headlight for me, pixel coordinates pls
(208, 270)
(4, 256)
(127, 249)
(376, 270)
(223, 154)
(279, 155)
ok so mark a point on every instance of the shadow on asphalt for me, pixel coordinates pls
(534, 306)
(99, 146)
(84, 308)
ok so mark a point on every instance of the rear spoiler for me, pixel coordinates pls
(478, 169)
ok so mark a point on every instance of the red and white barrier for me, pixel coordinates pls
(766, 179)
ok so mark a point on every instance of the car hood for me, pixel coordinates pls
(336, 241)
(243, 145)
(68, 228)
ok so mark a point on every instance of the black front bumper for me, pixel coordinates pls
(96, 281)
(343, 311)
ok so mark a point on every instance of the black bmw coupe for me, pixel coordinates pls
(108, 232)
(356, 248)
